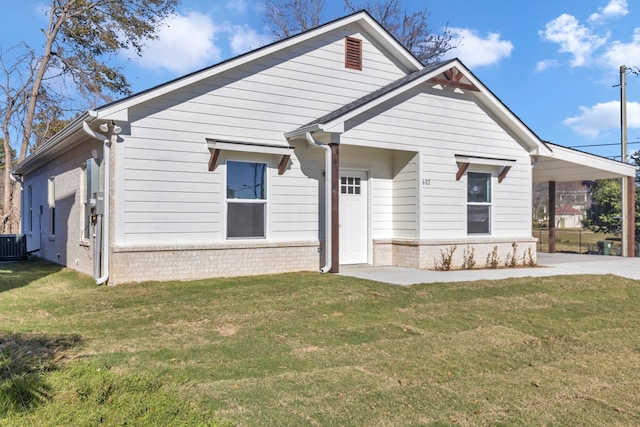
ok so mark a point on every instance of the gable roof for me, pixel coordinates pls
(334, 121)
(373, 96)
(73, 133)
(362, 18)
(567, 210)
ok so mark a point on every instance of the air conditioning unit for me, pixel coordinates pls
(13, 247)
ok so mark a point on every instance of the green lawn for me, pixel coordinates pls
(312, 349)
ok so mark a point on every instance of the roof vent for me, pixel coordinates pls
(353, 53)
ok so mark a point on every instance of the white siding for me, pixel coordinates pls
(169, 196)
(439, 126)
(405, 196)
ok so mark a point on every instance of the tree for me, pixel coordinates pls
(603, 216)
(290, 17)
(635, 160)
(412, 30)
(48, 121)
(18, 77)
(80, 38)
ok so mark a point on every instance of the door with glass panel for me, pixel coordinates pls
(354, 217)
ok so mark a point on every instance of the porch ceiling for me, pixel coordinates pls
(566, 165)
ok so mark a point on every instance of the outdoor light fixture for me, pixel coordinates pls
(104, 127)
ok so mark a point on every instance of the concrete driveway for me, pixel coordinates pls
(548, 265)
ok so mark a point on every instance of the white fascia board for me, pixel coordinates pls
(363, 19)
(115, 114)
(302, 131)
(383, 37)
(487, 161)
(249, 148)
(592, 161)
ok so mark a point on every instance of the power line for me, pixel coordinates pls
(603, 145)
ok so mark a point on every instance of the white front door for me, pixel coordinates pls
(354, 223)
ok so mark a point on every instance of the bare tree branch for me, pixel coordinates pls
(290, 17)
(80, 38)
(410, 29)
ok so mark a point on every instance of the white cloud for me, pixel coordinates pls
(184, 43)
(574, 38)
(623, 53)
(615, 9)
(238, 6)
(244, 38)
(545, 64)
(603, 117)
(476, 51)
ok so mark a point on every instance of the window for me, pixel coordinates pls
(349, 185)
(246, 199)
(478, 203)
(30, 208)
(353, 53)
(89, 183)
(51, 196)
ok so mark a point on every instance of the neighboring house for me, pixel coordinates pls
(569, 217)
(335, 146)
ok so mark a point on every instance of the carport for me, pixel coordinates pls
(566, 165)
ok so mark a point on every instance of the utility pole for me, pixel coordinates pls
(623, 141)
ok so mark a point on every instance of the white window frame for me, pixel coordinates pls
(51, 201)
(85, 229)
(488, 203)
(230, 201)
(30, 208)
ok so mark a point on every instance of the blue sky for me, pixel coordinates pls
(554, 63)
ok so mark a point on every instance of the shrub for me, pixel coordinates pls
(446, 259)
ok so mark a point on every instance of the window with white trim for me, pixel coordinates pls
(85, 216)
(478, 203)
(51, 197)
(246, 200)
(30, 207)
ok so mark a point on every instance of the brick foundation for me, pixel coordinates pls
(425, 254)
(139, 264)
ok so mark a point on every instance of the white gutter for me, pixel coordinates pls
(105, 231)
(328, 246)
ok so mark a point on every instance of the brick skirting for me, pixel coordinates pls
(163, 263)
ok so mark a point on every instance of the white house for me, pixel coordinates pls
(335, 146)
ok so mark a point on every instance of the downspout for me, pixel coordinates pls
(105, 230)
(328, 244)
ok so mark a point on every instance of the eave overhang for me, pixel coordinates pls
(567, 164)
(69, 137)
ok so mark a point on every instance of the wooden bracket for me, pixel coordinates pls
(453, 78)
(503, 173)
(462, 168)
(215, 153)
(283, 164)
(453, 74)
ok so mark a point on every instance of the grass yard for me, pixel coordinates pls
(312, 349)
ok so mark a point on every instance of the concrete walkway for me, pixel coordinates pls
(548, 265)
